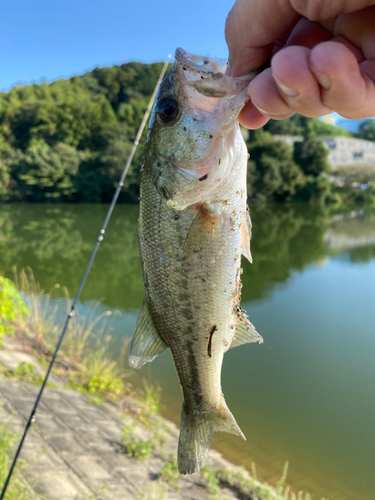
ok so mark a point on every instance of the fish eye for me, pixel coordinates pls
(167, 110)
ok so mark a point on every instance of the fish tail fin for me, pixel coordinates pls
(196, 434)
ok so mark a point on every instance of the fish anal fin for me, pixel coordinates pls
(245, 331)
(146, 343)
(246, 235)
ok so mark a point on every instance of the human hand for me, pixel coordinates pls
(322, 57)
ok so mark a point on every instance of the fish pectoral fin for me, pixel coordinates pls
(246, 235)
(146, 343)
(245, 331)
(203, 230)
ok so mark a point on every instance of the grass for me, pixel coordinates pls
(211, 481)
(24, 371)
(151, 397)
(144, 415)
(40, 322)
(145, 423)
(249, 487)
(154, 492)
(11, 307)
(100, 376)
(83, 361)
(142, 447)
(170, 473)
(136, 447)
(17, 489)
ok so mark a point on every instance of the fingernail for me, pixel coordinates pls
(269, 114)
(265, 113)
(324, 81)
(286, 90)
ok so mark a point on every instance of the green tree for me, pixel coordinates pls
(317, 190)
(311, 155)
(272, 173)
(45, 173)
(298, 125)
(367, 130)
(4, 182)
(96, 115)
(290, 126)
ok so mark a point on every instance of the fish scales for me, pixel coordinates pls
(191, 236)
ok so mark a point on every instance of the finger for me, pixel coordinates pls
(251, 30)
(358, 29)
(253, 26)
(367, 69)
(308, 34)
(319, 10)
(250, 117)
(343, 87)
(296, 82)
(266, 98)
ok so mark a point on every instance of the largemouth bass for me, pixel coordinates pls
(193, 227)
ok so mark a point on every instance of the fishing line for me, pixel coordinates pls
(32, 416)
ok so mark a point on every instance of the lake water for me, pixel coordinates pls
(307, 394)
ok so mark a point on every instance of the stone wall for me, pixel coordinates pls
(350, 152)
(343, 151)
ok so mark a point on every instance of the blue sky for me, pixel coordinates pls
(59, 38)
(50, 39)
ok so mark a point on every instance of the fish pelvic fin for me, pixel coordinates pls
(146, 343)
(246, 235)
(196, 434)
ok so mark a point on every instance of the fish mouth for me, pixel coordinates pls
(207, 75)
(201, 64)
(210, 66)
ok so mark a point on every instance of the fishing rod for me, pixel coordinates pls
(32, 416)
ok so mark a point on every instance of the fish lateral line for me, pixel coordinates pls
(209, 347)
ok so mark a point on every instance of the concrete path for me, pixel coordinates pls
(74, 451)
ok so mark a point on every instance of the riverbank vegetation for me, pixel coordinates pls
(84, 365)
(68, 141)
(301, 172)
(18, 489)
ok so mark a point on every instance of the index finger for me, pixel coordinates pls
(251, 29)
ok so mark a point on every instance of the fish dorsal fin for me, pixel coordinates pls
(202, 232)
(245, 331)
(246, 235)
(146, 343)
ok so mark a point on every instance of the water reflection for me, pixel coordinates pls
(56, 241)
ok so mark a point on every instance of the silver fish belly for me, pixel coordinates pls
(193, 227)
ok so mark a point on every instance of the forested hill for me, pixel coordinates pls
(69, 140)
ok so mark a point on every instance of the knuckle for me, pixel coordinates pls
(312, 9)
